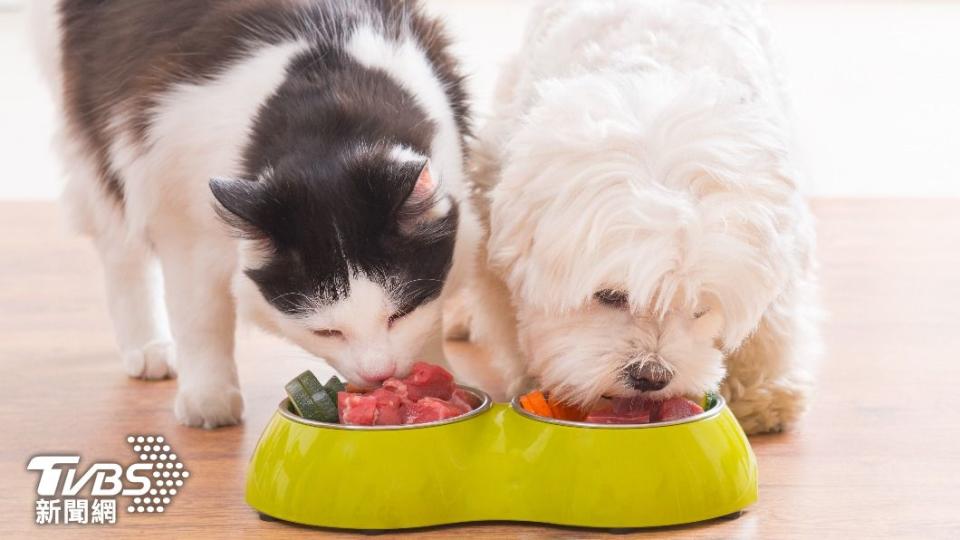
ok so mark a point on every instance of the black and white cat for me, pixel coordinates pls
(298, 160)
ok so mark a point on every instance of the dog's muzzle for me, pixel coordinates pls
(647, 375)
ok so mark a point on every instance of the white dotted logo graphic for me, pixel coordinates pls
(70, 492)
(166, 479)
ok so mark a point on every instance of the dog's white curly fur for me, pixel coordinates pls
(643, 146)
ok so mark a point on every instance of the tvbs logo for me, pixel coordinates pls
(151, 483)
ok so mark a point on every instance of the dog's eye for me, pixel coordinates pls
(328, 333)
(700, 313)
(609, 297)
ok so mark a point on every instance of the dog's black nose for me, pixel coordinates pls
(647, 376)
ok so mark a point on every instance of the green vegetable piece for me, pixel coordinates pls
(310, 399)
(333, 387)
(710, 400)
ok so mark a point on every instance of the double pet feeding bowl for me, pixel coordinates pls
(501, 463)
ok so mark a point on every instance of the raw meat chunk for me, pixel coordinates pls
(390, 407)
(462, 400)
(428, 380)
(677, 408)
(431, 409)
(357, 409)
(621, 411)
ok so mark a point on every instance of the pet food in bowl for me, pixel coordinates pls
(634, 410)
(428, 394)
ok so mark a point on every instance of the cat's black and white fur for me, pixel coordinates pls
(298, 160)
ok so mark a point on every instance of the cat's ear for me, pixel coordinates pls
(425, 187)
(237, 203)
(425, 202)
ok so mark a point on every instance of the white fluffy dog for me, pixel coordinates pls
(646, 234)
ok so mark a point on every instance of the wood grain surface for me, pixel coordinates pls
(878, 456)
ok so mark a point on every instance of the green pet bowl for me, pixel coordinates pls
(501, 463)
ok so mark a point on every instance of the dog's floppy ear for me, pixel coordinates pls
(237, 203)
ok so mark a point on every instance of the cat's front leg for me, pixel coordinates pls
(197, 270)
(131, 276)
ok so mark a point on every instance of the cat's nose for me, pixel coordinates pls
(647, 376)
(380, 374)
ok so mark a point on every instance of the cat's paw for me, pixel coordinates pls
(209, 406)
(153, 361)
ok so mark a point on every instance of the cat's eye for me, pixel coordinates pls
(328, 333)
(612, 298)
(396, 317)
(700, 313)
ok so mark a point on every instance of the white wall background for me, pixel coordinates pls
(876, 88)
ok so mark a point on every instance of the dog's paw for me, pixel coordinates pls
(209, 406)
(769, 407)
(154, 360)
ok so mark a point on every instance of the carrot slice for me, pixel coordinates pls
(525, 403)
(536, 403)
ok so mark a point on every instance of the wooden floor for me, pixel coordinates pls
(878, 456)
